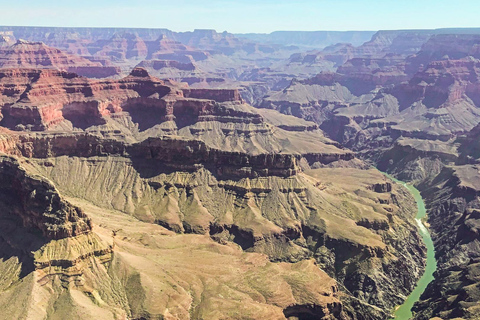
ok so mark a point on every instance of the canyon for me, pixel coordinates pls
(152, 174)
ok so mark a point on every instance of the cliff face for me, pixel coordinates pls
(445, 46)
(137, 107)
(37, 203)
(431, 103)
(68, 260)
(430, 144)
(24, 54)
(311, 39)
(203, 58)
(44, 239)
(163, 64)
(27, 97)
(378, 71)
(119, 44)
(120, 47)
(6, 38)
(442, 83)
(453, 195)
(415, 114)
(267, 205)
(446, 172)
(401, 42)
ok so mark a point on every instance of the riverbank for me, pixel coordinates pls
(404, 312)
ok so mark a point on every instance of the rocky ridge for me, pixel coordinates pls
(25, 54)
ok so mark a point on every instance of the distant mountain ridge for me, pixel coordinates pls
(313, 39)
(322, 39)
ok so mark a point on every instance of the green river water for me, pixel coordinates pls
(404, 312)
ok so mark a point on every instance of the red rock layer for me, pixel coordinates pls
(26, 54)
(39, 99)
(442, 82)
(380, 71)
(121, 46)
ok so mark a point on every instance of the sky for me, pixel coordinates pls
(244, 16)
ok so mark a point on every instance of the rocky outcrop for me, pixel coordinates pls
(172, 152)
(211, 165)
(38, 204)
(445, 47)
(6, 38)
(219, 95)
(357, 112)
(402, 42)
(121, 46)
(447, 174)
(379, 71)
(258, 214)
(424, 130)
(442, 82)
(29, 102)
(24, 54)
(47, 234)
(225, 43)
(162, 64)
(84, 264)
(430, 104)
(95, 72)
(165, 44)
(195, 183)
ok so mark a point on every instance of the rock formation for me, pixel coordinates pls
(24, 54)
(38, 205)
(6, 38)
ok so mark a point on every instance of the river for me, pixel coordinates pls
(404, 312)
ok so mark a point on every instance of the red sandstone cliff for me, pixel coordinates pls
(24, 54)
(39, 99)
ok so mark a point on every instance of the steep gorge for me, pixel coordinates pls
(200, 171)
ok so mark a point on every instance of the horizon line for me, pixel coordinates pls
(211, 29)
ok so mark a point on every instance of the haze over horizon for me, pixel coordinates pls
(245, 16)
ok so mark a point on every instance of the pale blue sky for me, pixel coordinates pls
(240, 16)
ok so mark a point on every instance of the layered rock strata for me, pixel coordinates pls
(25, 54)
(200, 162)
